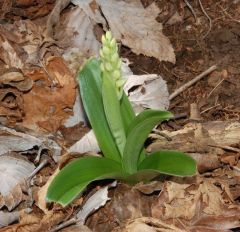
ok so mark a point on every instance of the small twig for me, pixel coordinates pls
(193, 81)
(212, 107)
(191, 9)
(236, 168)
(209, 19)
(162, 134)
(38, 168)
(65, 224)
(219, 83)
(228, 15)
(226, 148)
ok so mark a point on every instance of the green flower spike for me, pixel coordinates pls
(111, 62)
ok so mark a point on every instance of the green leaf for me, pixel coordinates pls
(169, 162)
(75, 177)
(140, 176)
(127, 111)
(90, 83)
(137, 134)
(128, 115)
(111, 105)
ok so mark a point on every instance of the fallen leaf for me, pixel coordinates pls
(7, 218)
(97, 200)
(11, 106)
(150, 92)
(42, 192)
(201, 204)
(147, 224)
(13, 141)
(17, 80)
(13, 172)
(78, 113)
(87, 143)
(76, 228)
(8, 54)
(80, 35)
(52, 97)
(140, 30)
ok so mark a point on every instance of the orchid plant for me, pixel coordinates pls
(119, 132)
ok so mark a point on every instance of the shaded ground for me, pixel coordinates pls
(194, 55)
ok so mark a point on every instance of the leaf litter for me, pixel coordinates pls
(38, 92)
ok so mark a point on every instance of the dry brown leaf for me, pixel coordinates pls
(202, 204)
(149, 188)
(8, 54)
(37, 222)
(76, 228)
(52, 97)
(148, 224)
(126, 203)
(42, 192)
(17, 80)
(11, 105)
(54, 18)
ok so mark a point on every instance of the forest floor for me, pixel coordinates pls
(203, 36)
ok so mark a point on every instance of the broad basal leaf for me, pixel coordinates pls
(75, 177)
(127, 112)
(90, 83)
(169, 162)
(138, 133)
(112, 111)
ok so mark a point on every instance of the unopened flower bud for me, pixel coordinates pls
(120, 83)
(101, 54)
(114, 58)
(108, 35)
(116, 74)
(108, 67)
(113, 43)
(119, 64)
(102, 67)
(106, 51)
(104, 41)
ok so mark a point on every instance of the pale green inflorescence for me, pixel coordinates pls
(111, 62)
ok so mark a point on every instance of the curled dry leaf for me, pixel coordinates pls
(13, 172)
(13, 141)
(133, 25)
(17, 80)
(97, 200)
(150, 92)
(202, 204)
(87, 143)
(11, 105)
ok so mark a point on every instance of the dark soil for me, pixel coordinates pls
(218, 93)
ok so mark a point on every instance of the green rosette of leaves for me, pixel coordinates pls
(120, 133)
